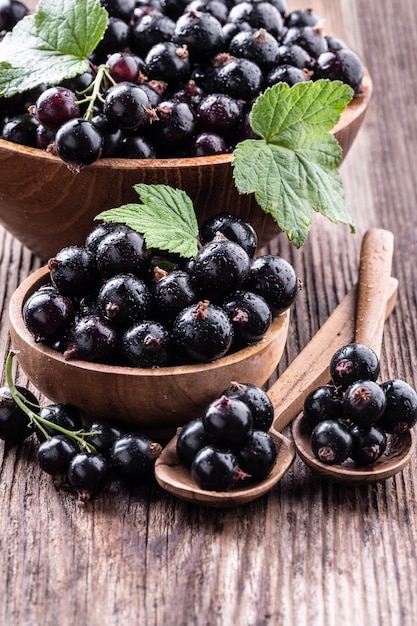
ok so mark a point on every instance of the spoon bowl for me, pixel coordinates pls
(400, 448)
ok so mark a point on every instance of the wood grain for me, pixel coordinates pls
(307, 553)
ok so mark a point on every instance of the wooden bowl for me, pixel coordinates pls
(155, 400)
(47, 207)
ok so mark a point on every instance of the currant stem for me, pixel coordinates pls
(101, 76)
(36, 420)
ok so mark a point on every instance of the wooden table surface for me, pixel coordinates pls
(309, 552)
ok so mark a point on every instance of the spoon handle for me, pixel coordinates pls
(374, 274)
(311, 367)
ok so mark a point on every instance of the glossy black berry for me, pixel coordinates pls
(61, 414)
(214, 469)
(259, 46)
(331, 442)
(201, 33)
(88, 474)
(171, 293)
(227, 420)
(127, 106)
(369, 444)
(176, 126)
(257, 454)
(146, 344)
(240, 78)
(258, 401)
(285, 73)
(191, 439)
(55, 106)
(401, 409)
(260, 14)
(311, 38)
(91, 338)
(233, 227)
(124, 300)
(124, 67)
(133, 457)
(166, 61)
(353, 362)
(123, 251)
(322, 403)
(250, 315)
(48, 315)
(273, 278)
(301, 17)
(220, 268)
(340, 64)
(73, 271)
(22, 129)
(54, 455)
(102, 434)
(14, 422)
(150, 30)
(364, 402)
(79, 143)
(219, 113)
(203, 332)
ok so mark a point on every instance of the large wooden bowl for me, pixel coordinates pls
(47, 207)
(155, 400)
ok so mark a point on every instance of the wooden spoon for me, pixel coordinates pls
(373, 286)
(308, 370)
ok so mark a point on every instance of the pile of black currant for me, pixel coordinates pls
(352, 417)
(230, 445)
(86, 458)
(176, 78)
(113, 300)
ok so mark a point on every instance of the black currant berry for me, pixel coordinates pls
(15, 424)
(257, 454)
(124, 300)
(102, 434)
(133, 458)
(259, 46)
(201, 33)
(219, 113)
(171, 293)
(54, 107)
(233, 228)
(227, 420)
(123, 251)
(205, 144)
(54, 455)
(286, 73)
(250, 315)
(364, 402)
(400, 413)
(60, 414)
(48, 315)
(168, 62)
(369, 444)
(323, 403)
(220, 268)
(146, 344)
(79, 143)
(127, 106)
(214, 469)
(88, 474)
(203, 332)
(331, 442)
(149, 31)
(353, 362)
(73, 271)
(258, 401)
(191, 439)
(91, 338)
(340, 64)
(274, 278)
(239, 78)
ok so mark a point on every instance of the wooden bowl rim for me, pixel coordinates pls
(354, 110)
(39, 277)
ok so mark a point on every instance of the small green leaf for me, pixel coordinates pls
(166, 218)
(51, 44)
(293, 168)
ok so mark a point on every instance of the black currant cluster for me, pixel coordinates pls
(352, 417)
(114, 301)
(230, 444)
(86, 458)
(176, 78)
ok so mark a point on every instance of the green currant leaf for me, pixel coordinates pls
(166, 218)
(51, 44)
(292, 170)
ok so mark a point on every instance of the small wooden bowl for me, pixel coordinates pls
(47, 207)
(155, 400)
